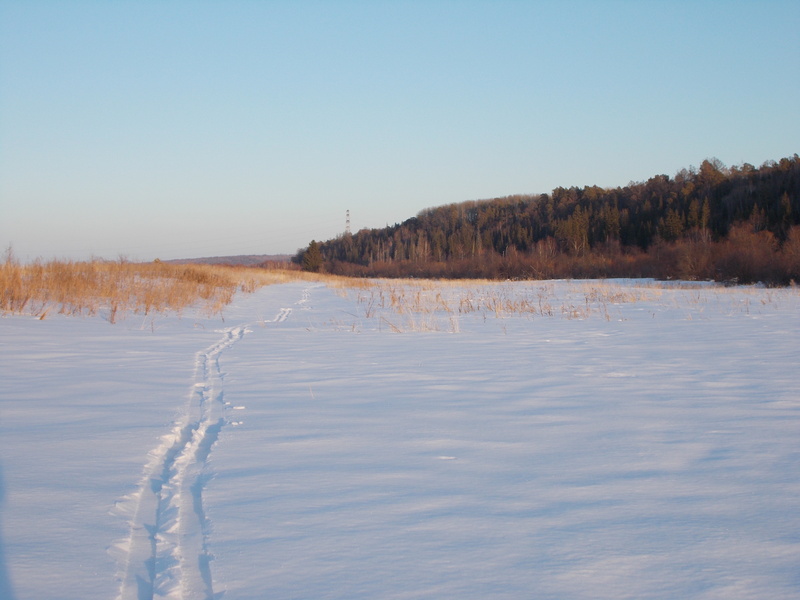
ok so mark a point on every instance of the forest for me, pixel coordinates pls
(734, 224)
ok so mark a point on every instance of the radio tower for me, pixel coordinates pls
(347, 223)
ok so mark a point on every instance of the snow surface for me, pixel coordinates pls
(301, 449)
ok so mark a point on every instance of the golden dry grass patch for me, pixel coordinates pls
(119, 287)
(116, 288)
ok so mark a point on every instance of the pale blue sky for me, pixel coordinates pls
(185, 129)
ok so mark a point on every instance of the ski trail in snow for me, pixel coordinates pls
(165, 555)
(285, 312)
(283, 315)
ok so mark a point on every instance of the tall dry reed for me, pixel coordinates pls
(86, 288)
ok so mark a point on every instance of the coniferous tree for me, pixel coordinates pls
(664, 227)
(312, 258)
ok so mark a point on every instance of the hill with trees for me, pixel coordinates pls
(716, 222)
(245, 260)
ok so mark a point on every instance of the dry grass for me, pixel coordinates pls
(431, 305)
(116, 288)
(452, 298)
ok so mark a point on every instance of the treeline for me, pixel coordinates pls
(739, 223)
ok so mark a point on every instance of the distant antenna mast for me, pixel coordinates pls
(347, 223)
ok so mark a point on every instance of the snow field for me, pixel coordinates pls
(317, 453)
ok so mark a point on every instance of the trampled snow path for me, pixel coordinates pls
(166, 554)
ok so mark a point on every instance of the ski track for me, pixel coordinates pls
(165, 554)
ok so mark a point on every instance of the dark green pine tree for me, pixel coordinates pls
(312, 258)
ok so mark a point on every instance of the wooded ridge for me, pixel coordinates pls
(716, 222)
